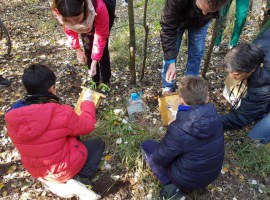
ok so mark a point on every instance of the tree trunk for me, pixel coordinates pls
(210, 49)
(146, 29)
(251, 6)
(132, 40)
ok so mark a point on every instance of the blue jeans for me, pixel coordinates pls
(261, 130)
(196, 43)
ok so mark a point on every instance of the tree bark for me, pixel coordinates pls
(132, 42)
(251, 6)
(210, 50)
(146, 29)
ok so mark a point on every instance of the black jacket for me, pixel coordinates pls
(256, 103)
(180, 14)
(193, 147)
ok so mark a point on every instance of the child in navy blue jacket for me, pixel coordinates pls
(190, 156)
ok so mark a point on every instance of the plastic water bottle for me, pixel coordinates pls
(136, 108)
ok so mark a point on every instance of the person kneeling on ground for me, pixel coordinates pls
(248, 62)
(191, 154)
(45, 132)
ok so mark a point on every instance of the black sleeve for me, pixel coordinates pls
(169, 148)
(173, 15)
(252, 109)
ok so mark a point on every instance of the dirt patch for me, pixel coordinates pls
(109, 188)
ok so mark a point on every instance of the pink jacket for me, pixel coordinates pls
(45, 135)
(101, 26)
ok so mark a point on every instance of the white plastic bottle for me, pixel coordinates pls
(136, 108)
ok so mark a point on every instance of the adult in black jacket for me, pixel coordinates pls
(191, 153)
(178, 16)
(245, 62)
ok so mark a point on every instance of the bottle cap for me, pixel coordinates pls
(134, 96)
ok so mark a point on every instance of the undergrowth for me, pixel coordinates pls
(254, 159)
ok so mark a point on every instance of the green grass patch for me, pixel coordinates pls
(127, 154)
(111, 127)
(252, 158)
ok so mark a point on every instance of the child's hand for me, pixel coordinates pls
(81, 56)
(93, 70)
(88, 96)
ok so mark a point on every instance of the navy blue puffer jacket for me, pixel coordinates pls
(193, 148)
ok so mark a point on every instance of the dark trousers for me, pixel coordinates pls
(104, 65)
(160, 172)
(95, 148)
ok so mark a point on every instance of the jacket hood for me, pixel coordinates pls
(27, 122)
(200, 121)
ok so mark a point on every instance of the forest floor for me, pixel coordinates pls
(123, 174)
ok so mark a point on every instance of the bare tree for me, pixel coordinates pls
(210, 49)
(146, 29)
(132, 42)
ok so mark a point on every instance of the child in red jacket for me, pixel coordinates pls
(45, 132)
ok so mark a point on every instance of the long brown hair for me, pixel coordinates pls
(69, 8)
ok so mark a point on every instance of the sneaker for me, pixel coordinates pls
(84, 181)
(171, 192)
(70, 189)
(216, 49)
(81, 191)
(166, 90)
(4, 82)
(104, 88)
(230, 47)
(92, 84)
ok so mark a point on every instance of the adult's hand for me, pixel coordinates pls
(171, 73)
(93, 70)
(81, 56)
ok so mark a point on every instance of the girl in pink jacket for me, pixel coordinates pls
(92, 19)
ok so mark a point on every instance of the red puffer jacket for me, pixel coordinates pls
(101, 32)
(45, 135)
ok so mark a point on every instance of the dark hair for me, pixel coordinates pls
(37, 79)
(244, 57)
(193, 90)
(215, 4)
(69, 8)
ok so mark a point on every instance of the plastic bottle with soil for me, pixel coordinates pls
(136, 108)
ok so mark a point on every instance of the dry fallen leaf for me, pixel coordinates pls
(133, 181)
(4, 193)
(224, 170)
(108, 158)
(11, 169)
(1, 185)
(241, 177)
